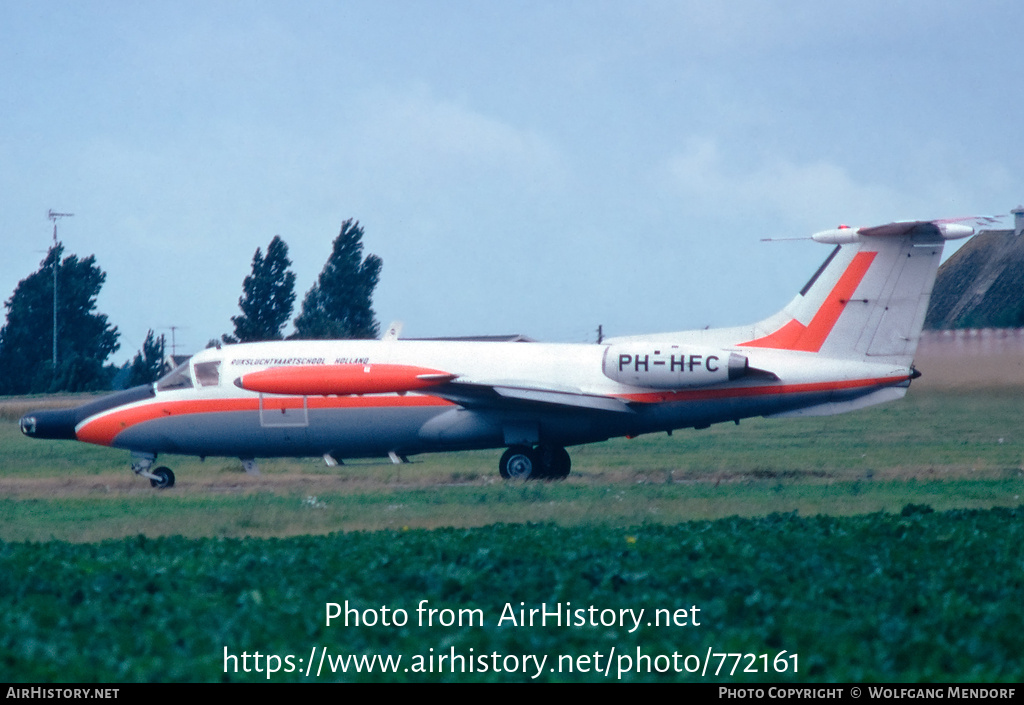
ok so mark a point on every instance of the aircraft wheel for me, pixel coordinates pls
(165, 478)
(519, 462)
(555, 462)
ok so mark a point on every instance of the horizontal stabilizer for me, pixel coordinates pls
(922, 231)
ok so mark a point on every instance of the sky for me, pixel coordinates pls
(521, 167)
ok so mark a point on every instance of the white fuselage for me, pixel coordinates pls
(547, 393)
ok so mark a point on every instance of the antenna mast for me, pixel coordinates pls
(56, 264)
(174, 339)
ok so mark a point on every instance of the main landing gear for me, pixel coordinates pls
(545, 462)
(161, 478)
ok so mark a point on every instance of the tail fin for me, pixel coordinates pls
(869, 299)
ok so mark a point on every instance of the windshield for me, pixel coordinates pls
(178, 378)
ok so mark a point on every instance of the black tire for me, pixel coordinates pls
(555, 462)
(166, 478)
(519, 463)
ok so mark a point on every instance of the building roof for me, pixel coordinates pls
(981, 285)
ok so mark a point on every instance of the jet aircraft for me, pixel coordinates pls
(846, 341)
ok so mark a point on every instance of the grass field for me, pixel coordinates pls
(945, 449)
(814, 537)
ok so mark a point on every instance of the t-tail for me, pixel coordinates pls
(868, 300)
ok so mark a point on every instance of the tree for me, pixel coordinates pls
(340, 303)
(268, 295)
(148, 365)
(85, 339)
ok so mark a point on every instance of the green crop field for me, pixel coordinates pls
(918, 596)
(879, 545)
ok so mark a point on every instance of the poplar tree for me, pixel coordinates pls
(340, 303)
(268, 295)
(148, 365)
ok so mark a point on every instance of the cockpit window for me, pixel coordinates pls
(178, 378)
(208, 373)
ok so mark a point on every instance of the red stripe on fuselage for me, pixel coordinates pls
(796, 336)
(104, 429)
(741, 392)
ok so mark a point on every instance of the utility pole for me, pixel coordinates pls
(174, 337)
(56, 264)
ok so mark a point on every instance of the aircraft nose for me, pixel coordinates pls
(52, 425)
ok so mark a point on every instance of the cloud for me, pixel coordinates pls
(812, 194)
(422, 135)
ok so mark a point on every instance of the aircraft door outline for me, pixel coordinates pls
(283, 411)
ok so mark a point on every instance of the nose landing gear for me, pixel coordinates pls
(161, 478)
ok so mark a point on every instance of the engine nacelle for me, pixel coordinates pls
(668, 366)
